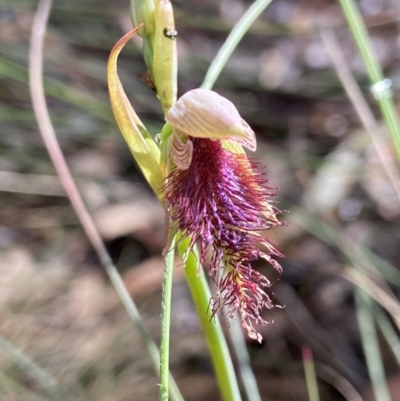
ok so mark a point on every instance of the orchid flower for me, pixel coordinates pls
(220, 199)
(212, 192)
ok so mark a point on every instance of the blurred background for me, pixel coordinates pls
(57, 308)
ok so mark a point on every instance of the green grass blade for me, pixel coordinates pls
(382, 94)
(33, 370)
(10, 389)
(232, 41)
(246, 373)
(370, 345)
(311, 377)
(389, 333)
(351, 250)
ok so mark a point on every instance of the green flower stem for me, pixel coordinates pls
(374, 70)
(166, 322)
(216, 342)
(232, 41)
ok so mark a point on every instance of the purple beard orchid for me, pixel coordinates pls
(220, 199)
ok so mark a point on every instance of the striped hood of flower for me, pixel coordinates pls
(220, 199)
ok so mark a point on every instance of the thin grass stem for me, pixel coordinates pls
(346, 245)
(339, 382)
(389, 333)
(10, 389)
(360, 258)
(246, 373)
(311, 377)
(33, 370)
(235, 36)
(49, 137)
(380, 295)
(370, 345)
(380, 87)
(364, 112)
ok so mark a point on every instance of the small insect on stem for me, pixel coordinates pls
(170, 33)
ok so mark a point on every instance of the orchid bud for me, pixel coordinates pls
(165, 66)
(143, 15)
(142, 12)
(159, 46)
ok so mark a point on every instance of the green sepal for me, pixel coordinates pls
(143, 13)
(142, 145)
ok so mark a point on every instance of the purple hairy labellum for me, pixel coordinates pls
(220, 199)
